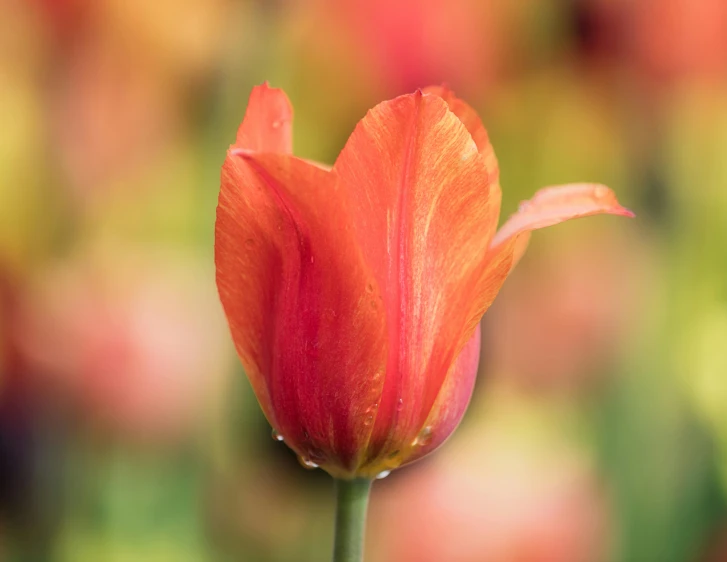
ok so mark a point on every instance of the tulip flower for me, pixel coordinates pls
(354, 293)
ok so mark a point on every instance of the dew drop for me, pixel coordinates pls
(249, 242)
(383, 474)
(399, 405)
(370, 414)
(424, 437)
(370, 288)
(312, 259)
(277, 436)
(307, 463)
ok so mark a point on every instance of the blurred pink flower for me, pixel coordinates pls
(138, 345)
(412, 43)
(492, 498)
(595, 285)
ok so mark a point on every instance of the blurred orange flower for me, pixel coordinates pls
(664, 42)
(676, 40)
(354, 294)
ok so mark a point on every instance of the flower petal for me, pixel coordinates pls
(268, 122)
(474, 125)
(452, 401)
(553, 205)
(303, 308)
(548, 207)
(424, 215)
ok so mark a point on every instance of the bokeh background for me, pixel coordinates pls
(128, 432)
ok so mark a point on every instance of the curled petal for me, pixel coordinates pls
(548, 207)
(303, 308)
(268, 122)
(423, 214)
(553, 205)
(474, 125)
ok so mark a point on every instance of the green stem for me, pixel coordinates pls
(352, 498)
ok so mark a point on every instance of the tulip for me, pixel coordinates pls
(354, 293)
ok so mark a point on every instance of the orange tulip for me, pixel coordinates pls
(354, 294)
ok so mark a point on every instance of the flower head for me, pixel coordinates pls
(354, 294)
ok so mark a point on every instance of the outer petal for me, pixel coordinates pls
(553, 205)
(424, 216)
(268, 122)
(548, 207)
(474, 125)
(452, 401)
(303, 308)
(447, 412)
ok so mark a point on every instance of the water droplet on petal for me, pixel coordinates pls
(307, 463)
(424, 437)
(370, 414)
(370, 288)
(277, 436)
(383, 474)
(250, 243)
(399, 405)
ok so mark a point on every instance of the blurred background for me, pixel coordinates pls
(128, 432)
